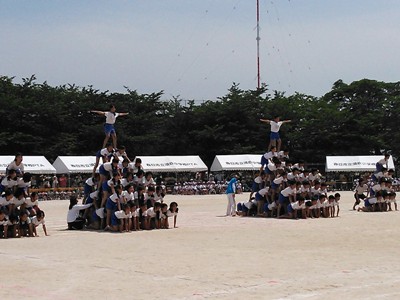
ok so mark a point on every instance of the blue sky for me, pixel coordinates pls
(196, 49)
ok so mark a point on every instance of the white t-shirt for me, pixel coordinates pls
(120, 214)
(295, 205)
(13, 166)
(377, 187)
(125, 182)
(105, 152)
(263, 191)
(270, 154)
(288, 191)
(22, 184)
(383, 162)
(90, 182)
(258, 179)
(111, 117)
(36, 222)
(73, 213)
(249, 204)
(279, 180)
(171, 214)
(158, 198)
(151, 213)
(149, 182)
(18, 202)
(312, 177)
(4, 202)
(29, 203)
(281, 154)
(275, 126)
(4, 222)
(108, 166)
(304, 190)
(272, 167)
(291, 176)
(135, 213)
(315, 191)
(361, 189)
(128, 196)
(8, 183)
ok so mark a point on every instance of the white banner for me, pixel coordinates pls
(354, 163)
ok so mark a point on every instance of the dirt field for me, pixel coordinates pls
(355, 256)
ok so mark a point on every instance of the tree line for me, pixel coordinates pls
(360, 118)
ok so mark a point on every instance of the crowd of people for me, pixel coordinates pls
(203, 187)
(20, 214)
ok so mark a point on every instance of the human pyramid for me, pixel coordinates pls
(20, 214)
(377, 192)
(122, 197)
(288, 190)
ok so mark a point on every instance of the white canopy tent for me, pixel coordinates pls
(32, 164)
(354, 163)
(74, 164)
(240, 162)
(187, 163)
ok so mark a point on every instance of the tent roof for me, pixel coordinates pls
(74, 164)
(236, 162)
(354, 163)
(187, 163)
(32, 164)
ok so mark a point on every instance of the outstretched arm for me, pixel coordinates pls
(287, 121)
(123, 114)
(97, 112)
(265, 120)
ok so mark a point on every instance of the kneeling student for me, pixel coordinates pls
(153, 216)
(3, 224)
(25, 224)
(294, 208)
(172, 212)
(120, 220)
(37, 220)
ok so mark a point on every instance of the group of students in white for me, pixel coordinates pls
(20, 214)
(377, 192)
(121, 197)
(286, 190)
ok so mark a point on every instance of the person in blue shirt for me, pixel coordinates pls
(230, 192)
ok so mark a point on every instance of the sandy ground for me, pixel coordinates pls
(355, 256)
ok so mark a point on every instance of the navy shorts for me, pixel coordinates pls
(103, 171)
(111, 205)
(259, 197)
(114, 220)
(283, 199)
(274, 136)
(264, 161)
(255, 187)
(109, 129)
(87, 189)
(274, 186)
